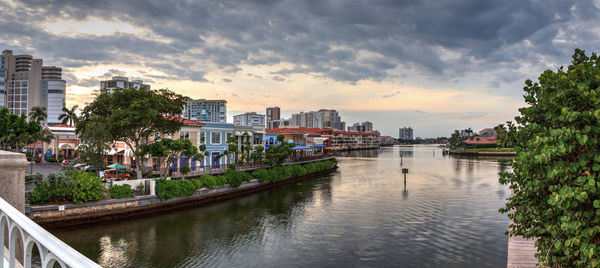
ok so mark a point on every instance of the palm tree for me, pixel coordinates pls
(69, 117)
(38, 114)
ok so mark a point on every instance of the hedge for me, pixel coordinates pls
(120, 191)
(166, 189)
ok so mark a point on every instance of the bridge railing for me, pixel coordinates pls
(52, 250)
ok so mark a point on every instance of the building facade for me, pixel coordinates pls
(307, 119)
(273, 113)
(249, 119)
(26, 83)
(206, 110)
(215, 139)
(406, 133)
(121, 82)
(332, 119)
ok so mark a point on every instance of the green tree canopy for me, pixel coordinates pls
(278, 154)
(69, 116)
(38, 114)
(15, 131)
(555, 175)
(132, 116)
(171, 150)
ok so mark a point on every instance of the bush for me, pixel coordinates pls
(36, 178)
(120, 191)
(221, 180)
(86, 186)
(166, 189)
(209, 181)
(297, 170)
(556, 170)
(198, 184)
(236, 178)
(51, 160)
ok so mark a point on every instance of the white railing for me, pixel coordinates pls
(51, 249)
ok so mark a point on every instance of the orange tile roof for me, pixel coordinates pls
(481, 140)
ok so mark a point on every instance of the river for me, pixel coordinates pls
(359, 216)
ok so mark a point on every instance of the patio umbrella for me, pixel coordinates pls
(116, 166)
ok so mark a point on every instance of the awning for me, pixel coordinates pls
(320, 145)
(237, 133)
(300, 147)
(113, 151)
(66, 146)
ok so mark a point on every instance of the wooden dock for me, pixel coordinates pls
(521, 252)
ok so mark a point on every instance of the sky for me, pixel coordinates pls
(433, 65)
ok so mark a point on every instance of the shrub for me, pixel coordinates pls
(185, 169)
(555, 173)
(264, 175)
(36, 178)
(86, 186)
(166, 189)
(198, 183)
(236, 178)
(120, 191)
(51, 160)
(297, 170)
(221, 180)
(209, 181)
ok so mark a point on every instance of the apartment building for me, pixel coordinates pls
(332, 119)
(249, 119)
(121, 82)
(206, 110)
(25, 83)
(307, 119)
(406, 133)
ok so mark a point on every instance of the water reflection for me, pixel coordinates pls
(361, 215)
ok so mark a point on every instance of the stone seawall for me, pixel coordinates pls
(507, 154)
(55, 216)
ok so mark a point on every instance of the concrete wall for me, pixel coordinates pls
(12, 178)
(135, 183)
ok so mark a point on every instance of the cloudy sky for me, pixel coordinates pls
(433, 65)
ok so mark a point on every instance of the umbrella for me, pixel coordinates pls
(116, 166)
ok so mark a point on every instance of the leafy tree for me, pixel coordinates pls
(132, 116)
(506, 135)
(38, 114)
(278, 154)
(16, 132)
(456, 138)
(171, 150)
(69, 116)
(258, 154)
(555, 173)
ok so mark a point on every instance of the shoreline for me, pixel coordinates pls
(506, 154)
(73, 215)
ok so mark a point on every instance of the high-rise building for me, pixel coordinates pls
(273, 113)
(206, 110)
(307, 119)
(332, 119)
(406, 133)
(364, 127)
(249, 119)
(368, 126)
(122, 82)
(26, 83)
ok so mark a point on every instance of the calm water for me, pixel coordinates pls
(359, 216)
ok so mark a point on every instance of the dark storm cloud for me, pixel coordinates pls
(342, 40)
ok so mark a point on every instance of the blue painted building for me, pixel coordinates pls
(215, 138)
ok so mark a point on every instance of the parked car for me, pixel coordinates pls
(81, 167)
(67, 162)
(116, 174)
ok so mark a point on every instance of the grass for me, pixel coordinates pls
(485, 150)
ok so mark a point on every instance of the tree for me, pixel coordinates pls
(456, 138)
(16, 132)
(37, 114)
(555, 172)
(172, 150)
(506, 135)
(69, 116)
(278, 154)
(132, 116)
(258, 154)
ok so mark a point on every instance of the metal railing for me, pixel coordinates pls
(52, 250)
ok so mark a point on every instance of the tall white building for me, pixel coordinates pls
(122, 82)
(307, 119)
(26, 83)
(206, 110)
(406, 133)
(249, 119)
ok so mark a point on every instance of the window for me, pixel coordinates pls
(215, 137)
(202, 137)
(228, 136)
(184, 135)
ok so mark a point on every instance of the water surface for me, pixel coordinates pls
(360, 216)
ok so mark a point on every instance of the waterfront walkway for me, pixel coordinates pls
(521, 252)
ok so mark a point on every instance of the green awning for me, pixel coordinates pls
(116, 166)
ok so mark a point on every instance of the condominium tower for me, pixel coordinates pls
(406, 133)
(121, 82)
(26, 83)
(249, 119)
(206, 110)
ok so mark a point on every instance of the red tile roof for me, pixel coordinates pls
(187, 121)
(481, 140)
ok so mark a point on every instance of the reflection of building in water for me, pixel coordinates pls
(406, 151)
(359, 153)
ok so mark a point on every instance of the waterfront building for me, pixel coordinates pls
(332, 138)
(121, 82)
(278, 123)
(62, 145)
(249, 119)
(215, 139)
(406, 133)
(26, 83)
(487, 132)
(307, 120)
(332, 119)
(255, 135)
(206, 110)
(367, 126)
